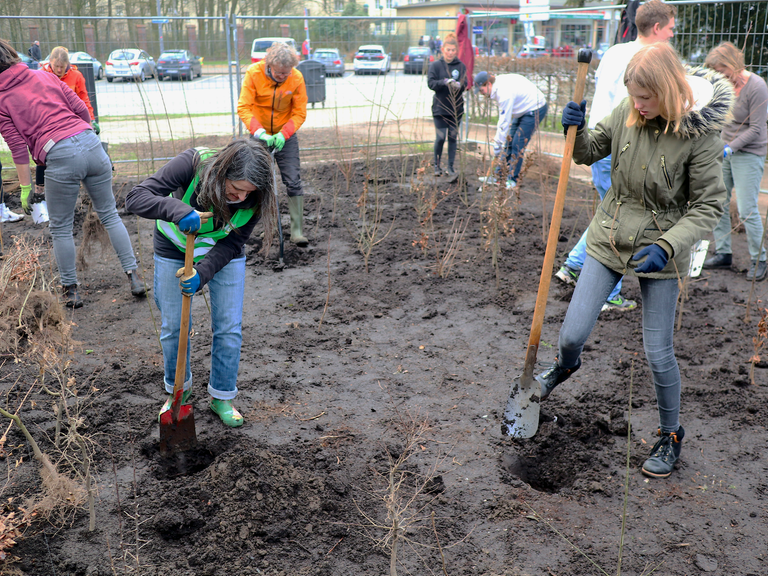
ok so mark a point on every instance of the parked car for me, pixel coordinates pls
(372, 58)
(417, 59)
(27, 60)
(181, 64)
(563, 52)
(260, 46)
(533, 51)
(331, 59)
(130, 64)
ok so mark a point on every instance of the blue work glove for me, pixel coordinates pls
(190, 285)
(96, 127)
(727, 151)
(657, 259)
(574, 115)
(26, 191)
(190, 223)
(278, 141)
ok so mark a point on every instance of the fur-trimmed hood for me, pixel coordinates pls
(714, 99)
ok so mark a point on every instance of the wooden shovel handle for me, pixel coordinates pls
(584, 58)
(186, 305)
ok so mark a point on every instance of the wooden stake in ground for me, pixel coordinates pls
(521, 417)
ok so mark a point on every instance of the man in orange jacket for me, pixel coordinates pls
(273, 106)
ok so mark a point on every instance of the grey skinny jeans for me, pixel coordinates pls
(70, 161)
(659, 303)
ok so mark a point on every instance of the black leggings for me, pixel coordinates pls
(446, 127)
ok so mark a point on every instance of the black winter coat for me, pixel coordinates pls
(447, 104)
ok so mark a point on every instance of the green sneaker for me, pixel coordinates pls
(227, 412)
(167, 405)
(619, 303)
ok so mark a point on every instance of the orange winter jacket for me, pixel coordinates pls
(76, 81)
(275, 107)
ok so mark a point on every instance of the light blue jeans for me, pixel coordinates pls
(659, 303)
(521, 130)
(601, 178)
(226, 295)
(742, 172)
(72, 160)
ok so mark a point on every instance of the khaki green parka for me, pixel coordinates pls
(666, 188)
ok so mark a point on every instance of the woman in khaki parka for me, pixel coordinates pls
(666, 194)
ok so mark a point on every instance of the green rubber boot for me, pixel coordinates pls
(227, 412)
(296, 208)
(167, 405)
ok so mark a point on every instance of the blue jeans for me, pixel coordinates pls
(226, 290)
(522, 130)
(659, 303)
(601, 178)
(70, 161)
(742, 172)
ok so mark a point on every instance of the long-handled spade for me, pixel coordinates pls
(177, 425)
(521, 417)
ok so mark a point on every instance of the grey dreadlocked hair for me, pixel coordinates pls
(241, 159)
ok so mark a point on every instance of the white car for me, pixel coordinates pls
(372, 58)
(261, 45)
(129, 64)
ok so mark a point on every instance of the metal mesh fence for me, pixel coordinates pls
(159, 118)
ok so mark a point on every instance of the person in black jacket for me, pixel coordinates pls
(235, 183)
(448, 79)
(35, 53)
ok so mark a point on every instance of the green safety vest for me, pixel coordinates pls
(206, 237)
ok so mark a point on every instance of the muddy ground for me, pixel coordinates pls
(344, 370)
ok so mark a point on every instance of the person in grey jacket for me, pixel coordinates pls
(746, 143)
(666, 194)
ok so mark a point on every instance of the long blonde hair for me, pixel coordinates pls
(658, 69)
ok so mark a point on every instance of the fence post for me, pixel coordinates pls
(141, 32)
(230, 26)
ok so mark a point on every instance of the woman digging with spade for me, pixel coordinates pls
(666, 194)
(235, 184)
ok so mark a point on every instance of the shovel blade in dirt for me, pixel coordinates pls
(521, 416)
(177, 434)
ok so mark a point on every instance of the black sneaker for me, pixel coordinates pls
(718, 261)
(554, 376)
(71, 297)
(758, 271)
(438, 171)
(665, 454)
(451, 172)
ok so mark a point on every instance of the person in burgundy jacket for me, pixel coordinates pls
(41, 115)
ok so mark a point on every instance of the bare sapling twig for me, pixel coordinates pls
(497, 222)
(328, 295)
(446, 257)
(758, 342)
(368, 232)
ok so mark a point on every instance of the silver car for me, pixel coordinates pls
(331, 59)
(130, 64)
(78, 58)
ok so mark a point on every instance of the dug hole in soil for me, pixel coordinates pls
(348, 373)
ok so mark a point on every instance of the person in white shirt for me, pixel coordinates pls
(521, 106)
(655, 22)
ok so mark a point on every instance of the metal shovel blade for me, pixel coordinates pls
(521, 416)
(178, 435)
